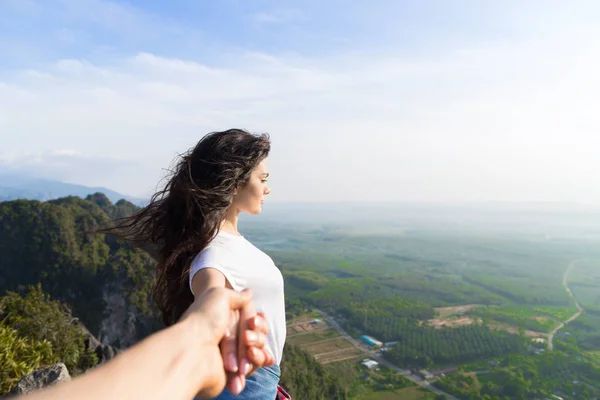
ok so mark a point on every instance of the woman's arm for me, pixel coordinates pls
(179, 362)
(240, 359)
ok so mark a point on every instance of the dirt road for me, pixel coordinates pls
(574, 316)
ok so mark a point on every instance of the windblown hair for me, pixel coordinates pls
(183, 217)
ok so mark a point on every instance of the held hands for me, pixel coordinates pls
(231, 340)
(242, 347)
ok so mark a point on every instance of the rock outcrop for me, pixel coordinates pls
(42, 378)
(59, 373)
(103, 351)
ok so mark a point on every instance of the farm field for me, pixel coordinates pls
(321, 341)
(411, 393)
(532, 319)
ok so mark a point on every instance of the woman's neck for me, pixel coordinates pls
(230, 223)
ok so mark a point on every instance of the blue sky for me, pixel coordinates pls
(379, 100)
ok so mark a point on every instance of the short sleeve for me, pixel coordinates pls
(216, 257)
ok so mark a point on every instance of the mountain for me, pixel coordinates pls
(16, 186)
(106, 283)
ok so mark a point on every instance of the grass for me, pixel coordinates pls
(308, 338)
(520, 317)
(584, 280)
(411, 393)
(304, 318)
(558, 313)
(595, 356)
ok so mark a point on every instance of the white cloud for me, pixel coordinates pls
(511, 120)
(264, 17)
(67, 152)
(278, 16)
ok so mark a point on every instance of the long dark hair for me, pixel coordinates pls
(183, 217)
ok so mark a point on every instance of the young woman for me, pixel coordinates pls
(194, 221)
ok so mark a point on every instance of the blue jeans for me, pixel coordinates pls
(262, 385)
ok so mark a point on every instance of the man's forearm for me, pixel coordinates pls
(159, 367)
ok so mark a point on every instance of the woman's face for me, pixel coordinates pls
(250, 198)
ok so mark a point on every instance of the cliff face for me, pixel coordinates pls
(118, 327)
(106, 283)
(104, 352)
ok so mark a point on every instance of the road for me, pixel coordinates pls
(406, 373)
(577, 314)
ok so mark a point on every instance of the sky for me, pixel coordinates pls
(379, 100)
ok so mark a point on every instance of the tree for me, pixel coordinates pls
(20, 356)
(41, 319)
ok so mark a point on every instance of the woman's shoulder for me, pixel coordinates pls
(215, 248)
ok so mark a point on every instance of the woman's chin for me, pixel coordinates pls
(257, 211)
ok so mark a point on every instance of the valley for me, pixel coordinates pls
(490, 308)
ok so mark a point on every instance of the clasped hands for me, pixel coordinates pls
(231, 339)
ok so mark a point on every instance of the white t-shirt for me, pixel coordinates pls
(245, 266)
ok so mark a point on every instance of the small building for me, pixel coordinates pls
(315, 321)
(371, 341)
(425, 374)
(390, 344)
(370, 363)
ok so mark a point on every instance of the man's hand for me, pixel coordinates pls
(179, 362)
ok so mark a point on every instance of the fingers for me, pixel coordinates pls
(229, 344)
(259, 323)
(257, 357)
(235, 383)
(255, 338)
(269, 358)
(246, 313)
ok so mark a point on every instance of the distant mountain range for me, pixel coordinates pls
(15, 186)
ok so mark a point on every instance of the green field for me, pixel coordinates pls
(584, 280)
(558, 313)
(412, 393)
(520, 317)
(595, 357)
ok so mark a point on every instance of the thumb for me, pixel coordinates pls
(238, 300)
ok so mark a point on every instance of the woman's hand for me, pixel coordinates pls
(243, 349)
